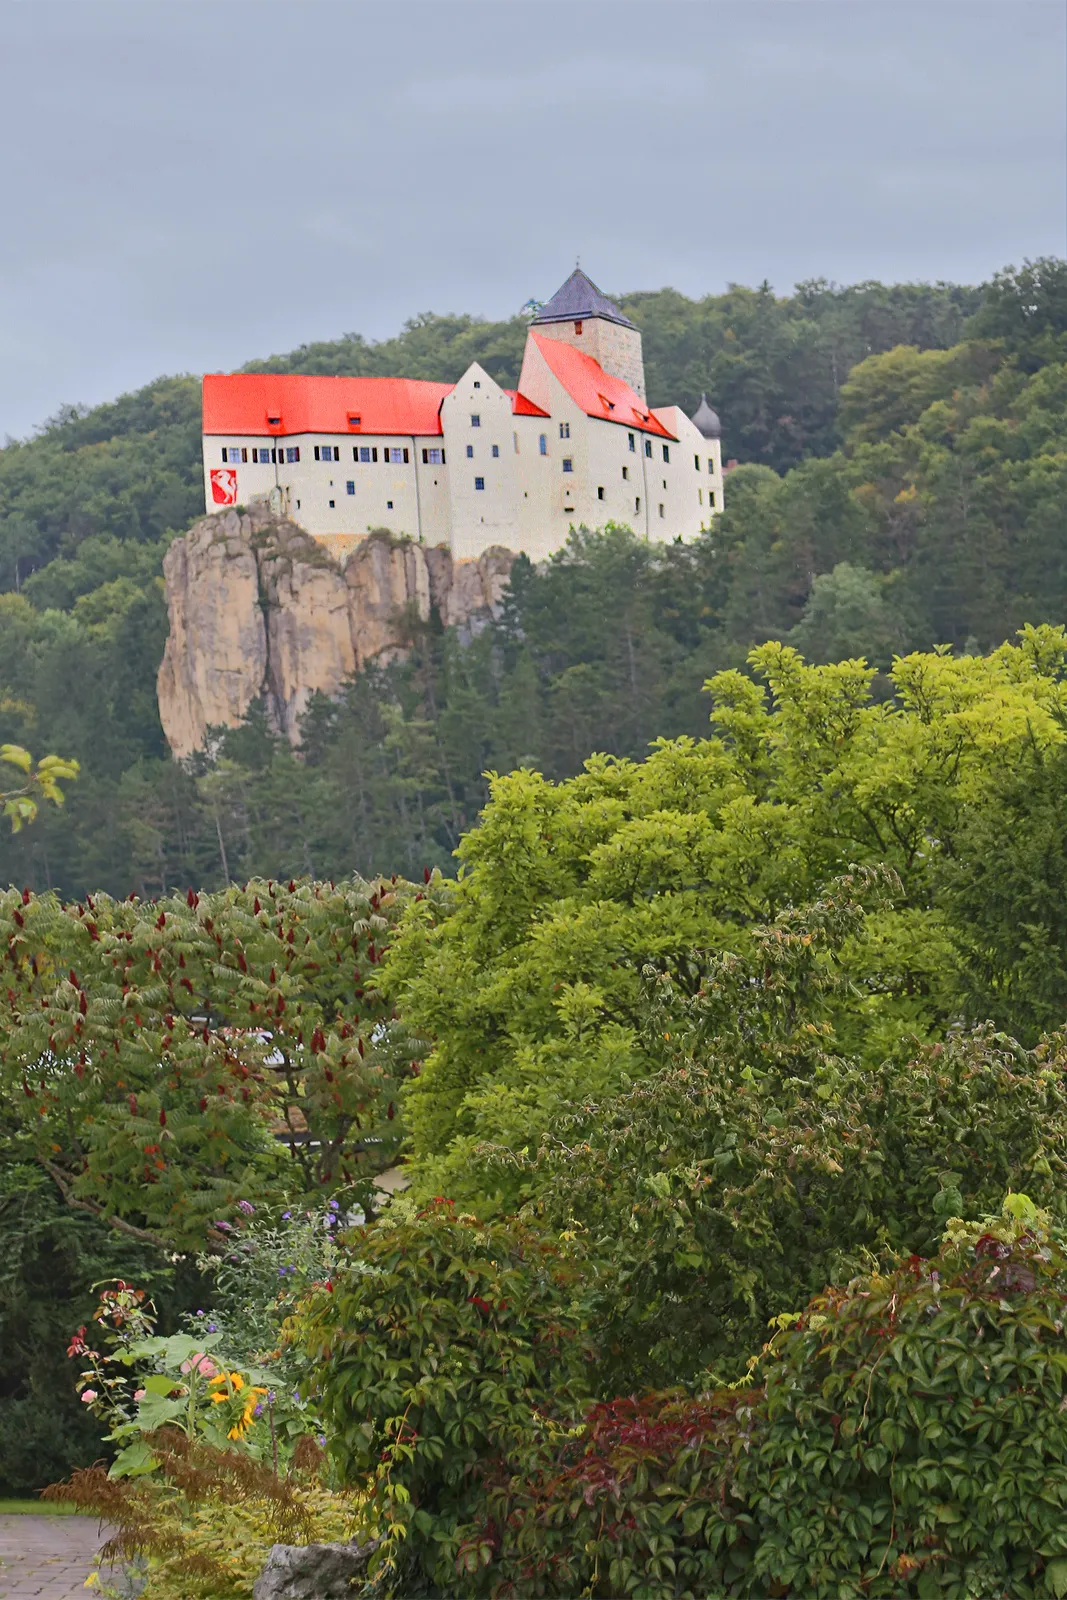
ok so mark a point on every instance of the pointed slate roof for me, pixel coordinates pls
(707, 420)
(579, 297)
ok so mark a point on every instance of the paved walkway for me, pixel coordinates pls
(47, 1558)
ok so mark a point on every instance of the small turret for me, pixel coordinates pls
(707, 420)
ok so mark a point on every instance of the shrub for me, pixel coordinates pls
(202, 1527)
(438, 1365)
(909, 1438)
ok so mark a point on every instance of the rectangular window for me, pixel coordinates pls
(355, 422)
(564, 430)
(332, 504)
(256, 454)
(711, 499)
(542, 443)
(696, 462)
(274, 422)
(711, 465)
(292, 452)
(350, 487)
(661, 510)
(477, 383)
(396, 456)
(600, 494)
(479, 483)
(476, 420)
(432, 457)
(367, 452)
(235, 454)
(626, 472)
(631, 439)
(327, 452)
(666, 453)
(496, 450)
(389, 505)
(568, 464)
(470, 452)
(637, 502)
(648, 448)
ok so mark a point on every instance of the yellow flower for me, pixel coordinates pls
(244, 1422)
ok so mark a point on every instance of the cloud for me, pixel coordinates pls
(189, 186)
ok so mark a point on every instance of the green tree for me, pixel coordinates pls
(527, 975)
(164, 1060)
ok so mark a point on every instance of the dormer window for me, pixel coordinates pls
(355, 422)
(274, 422)
(609, 405)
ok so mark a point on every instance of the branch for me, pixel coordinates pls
(98, 1211)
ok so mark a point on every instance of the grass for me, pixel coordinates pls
(41, 1508)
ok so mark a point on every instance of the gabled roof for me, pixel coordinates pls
(522, 407)
(579, 297)
(598, 394)
(243, 402)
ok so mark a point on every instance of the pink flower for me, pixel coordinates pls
(202, 1364)
(88, 1396)
(138, 1394)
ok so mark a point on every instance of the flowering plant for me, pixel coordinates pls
(181, 1382)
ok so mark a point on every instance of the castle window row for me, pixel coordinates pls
(233, 454)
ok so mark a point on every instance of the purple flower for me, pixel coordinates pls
(225, 1226)
(258, 1412)
(212, 1327)
(246, 1206)
(334, 1206)
(322, 1440)
(271, 1397)
(286, 1215)
(200, 1313)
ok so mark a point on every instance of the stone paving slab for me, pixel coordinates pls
(45, 1557)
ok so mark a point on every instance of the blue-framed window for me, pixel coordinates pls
(470, 452)
(568, 464)
(479, 483)
(350, 487)
(542, 443)
(496, 450)
(476, 420)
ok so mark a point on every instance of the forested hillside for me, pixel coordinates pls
(904, 464)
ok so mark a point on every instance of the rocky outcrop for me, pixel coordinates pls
(260, 611)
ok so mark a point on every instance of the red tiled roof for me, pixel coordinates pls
(242, 402)
(522, 407)
(598, 394)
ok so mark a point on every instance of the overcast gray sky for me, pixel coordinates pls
(190, 185)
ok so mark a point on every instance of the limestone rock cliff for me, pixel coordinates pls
(259, 610)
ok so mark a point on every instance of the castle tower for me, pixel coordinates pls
(579, 315)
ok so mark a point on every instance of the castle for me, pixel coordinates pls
(470, 465)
